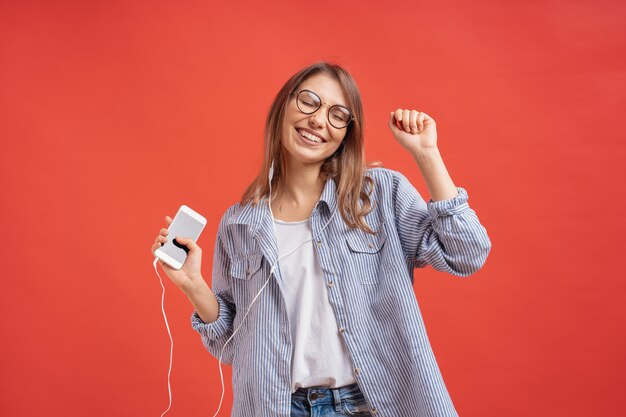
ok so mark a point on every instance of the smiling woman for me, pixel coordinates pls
(309, 139)
(317, 259)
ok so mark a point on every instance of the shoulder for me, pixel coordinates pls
(232, 211)
(245, 215)
(228, 214)
(392, 189)
(387, 180)
(236, 227)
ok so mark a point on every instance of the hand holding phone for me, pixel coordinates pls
(181, 258)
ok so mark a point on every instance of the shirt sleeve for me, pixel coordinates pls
(445, 234)
(215, 335)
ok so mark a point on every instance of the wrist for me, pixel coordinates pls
(426, 154)
(197, 288)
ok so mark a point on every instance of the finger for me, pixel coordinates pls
(413, 120)
(193, 247)
(398, 118)
(392, 121)
(168, 220)
(405, 120)
(420, 120)
(427, 119)
(164, 232)
(154, 247)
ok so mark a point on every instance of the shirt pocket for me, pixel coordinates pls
(365, 255)
(246, 273)
(244, 268)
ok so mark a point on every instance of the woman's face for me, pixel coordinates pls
(309, 138)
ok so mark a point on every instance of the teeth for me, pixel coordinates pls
(310, 136)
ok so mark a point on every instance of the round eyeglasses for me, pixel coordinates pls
(338, 116)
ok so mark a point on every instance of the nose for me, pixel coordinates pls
(317, 118)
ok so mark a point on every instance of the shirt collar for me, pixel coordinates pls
(329, 195)
(254, 216)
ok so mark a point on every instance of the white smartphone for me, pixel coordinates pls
(186, 223)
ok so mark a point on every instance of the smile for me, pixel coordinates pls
(309, 137)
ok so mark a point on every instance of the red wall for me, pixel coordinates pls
(112, 114)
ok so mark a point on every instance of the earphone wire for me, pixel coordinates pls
(169, 371)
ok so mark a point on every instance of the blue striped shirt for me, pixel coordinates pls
(371, 295)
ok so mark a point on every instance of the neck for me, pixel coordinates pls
(300, 188)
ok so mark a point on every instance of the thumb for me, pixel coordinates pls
(186, 241)
(392, 122)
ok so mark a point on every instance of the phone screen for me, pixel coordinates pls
(183, 225)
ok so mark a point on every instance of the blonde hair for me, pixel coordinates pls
(346, 166)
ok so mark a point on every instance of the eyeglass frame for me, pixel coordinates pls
(320, 106)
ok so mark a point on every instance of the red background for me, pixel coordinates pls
(112, 114)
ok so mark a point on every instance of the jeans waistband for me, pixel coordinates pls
(325, 395)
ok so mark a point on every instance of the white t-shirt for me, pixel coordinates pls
(319, 355)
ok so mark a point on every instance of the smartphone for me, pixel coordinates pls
(186, 223)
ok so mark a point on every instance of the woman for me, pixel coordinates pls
(313, 269)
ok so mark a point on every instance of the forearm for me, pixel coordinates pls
(205, 303)
(433, 169)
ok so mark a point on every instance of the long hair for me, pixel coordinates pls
(346, 166)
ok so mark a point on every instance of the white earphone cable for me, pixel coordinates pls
(169, 371)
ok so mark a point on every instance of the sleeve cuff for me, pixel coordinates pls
(219, 327)
(450, 207)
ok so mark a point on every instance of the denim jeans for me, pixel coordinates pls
(329, 402)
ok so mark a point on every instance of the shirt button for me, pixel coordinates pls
(357, 370)
(330, 284)
(342, 329)
(319, 243)
(369, 245)
(374, 410)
